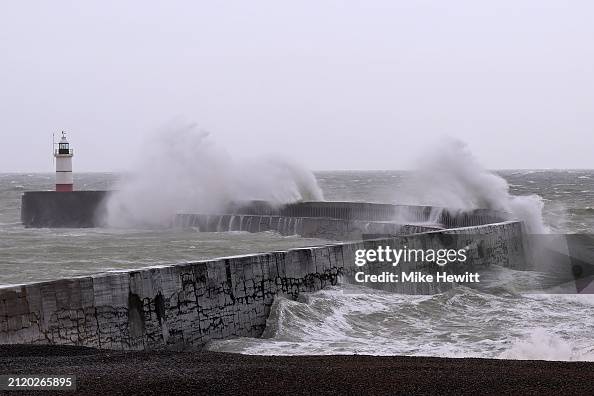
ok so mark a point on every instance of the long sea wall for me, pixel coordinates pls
(187, 305)
(308, 227)
(368, 211)
(78, 209)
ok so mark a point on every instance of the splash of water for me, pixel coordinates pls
(184, 170)
(462, 322)
(450, 176)
(539, 344)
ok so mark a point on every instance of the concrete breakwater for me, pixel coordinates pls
(403, 214)
(186, 305)
(308, 227)
(86, 209)
(77, 209)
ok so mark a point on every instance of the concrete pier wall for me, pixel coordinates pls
(75, 209)
(85, 208)
(373, 212)
(308, 227)
(186, 305)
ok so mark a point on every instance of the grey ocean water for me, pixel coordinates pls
(345, 320)
(29, 255)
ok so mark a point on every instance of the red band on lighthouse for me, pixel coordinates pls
(64, 187)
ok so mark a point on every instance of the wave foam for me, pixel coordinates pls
(539, 344)
(462, 322)
(182, 169)
(450, 176)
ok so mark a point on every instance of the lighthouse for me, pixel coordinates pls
(63, 155)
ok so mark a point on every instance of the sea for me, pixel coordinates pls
(347, 319)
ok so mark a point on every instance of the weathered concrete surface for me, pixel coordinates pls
(308, 227)
(76, 209)
(187, 305)
(503, 244)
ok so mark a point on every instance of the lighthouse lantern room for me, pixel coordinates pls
(63, 155)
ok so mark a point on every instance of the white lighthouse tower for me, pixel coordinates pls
(63, 155)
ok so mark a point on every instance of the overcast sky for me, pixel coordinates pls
(334, 84)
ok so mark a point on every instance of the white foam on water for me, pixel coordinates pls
(540, 344)
(459, 323)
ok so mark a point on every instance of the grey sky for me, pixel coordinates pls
(334, 84)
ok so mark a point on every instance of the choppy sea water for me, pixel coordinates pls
(30, 254)
(462, 322)
(347, 319)
(568, 195)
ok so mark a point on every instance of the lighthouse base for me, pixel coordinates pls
(64, 188)
(76, 209)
